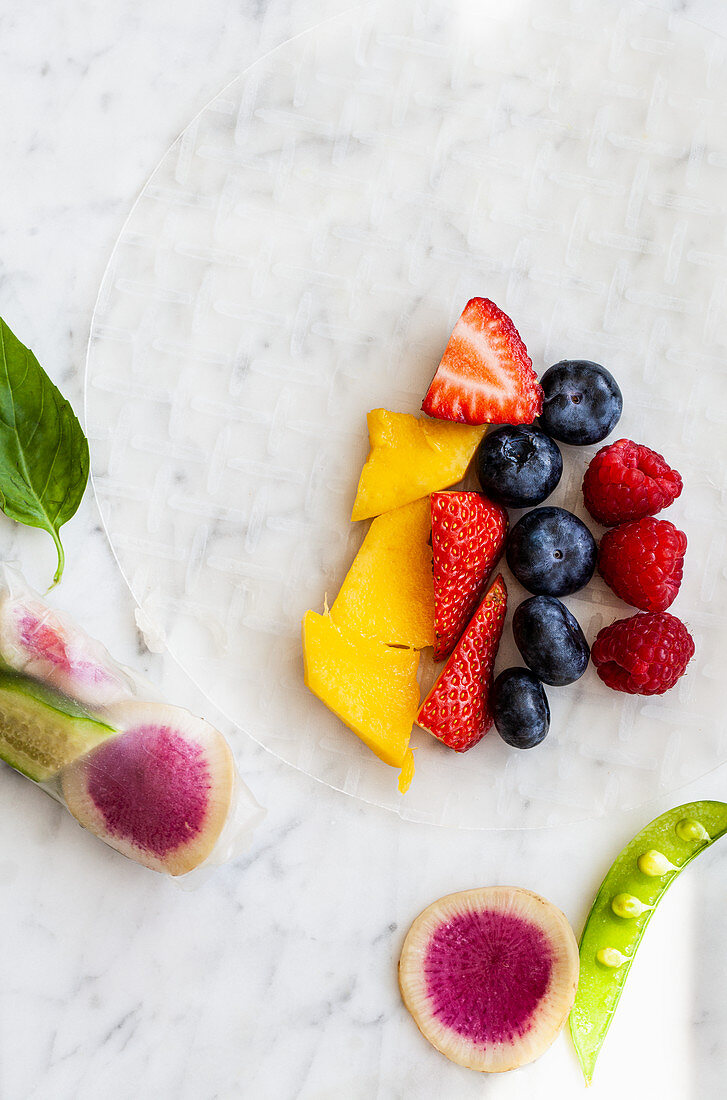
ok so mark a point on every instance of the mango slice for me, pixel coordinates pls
(409, 458)
(372, 688)
(388, 592)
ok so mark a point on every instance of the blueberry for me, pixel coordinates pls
(550, 640)
(581, 402)
(518, 465)
(551, 552)
(520, 708)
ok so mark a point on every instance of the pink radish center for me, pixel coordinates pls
(151, 787)
(42, 641)
(486, 973)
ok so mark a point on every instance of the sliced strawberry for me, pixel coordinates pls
(468, 536)
(485, 375)
(457, 709)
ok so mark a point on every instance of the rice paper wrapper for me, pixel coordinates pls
(152, 780)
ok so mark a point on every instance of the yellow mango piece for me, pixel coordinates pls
(411, 457)
(407, 772)
(388, 592)
(369, 686)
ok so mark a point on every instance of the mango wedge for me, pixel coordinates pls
(371, 687)
(388, 593)
(411, 457)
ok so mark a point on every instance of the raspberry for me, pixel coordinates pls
(627, 481)
(643, 655)
(642, 562)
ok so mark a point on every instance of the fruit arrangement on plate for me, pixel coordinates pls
(423, 575)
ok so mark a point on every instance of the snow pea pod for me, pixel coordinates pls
(627, 897)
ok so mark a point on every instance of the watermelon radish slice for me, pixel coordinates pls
(37, 642)
(490, 976)
(160, 791)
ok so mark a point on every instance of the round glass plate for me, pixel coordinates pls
(300, 256)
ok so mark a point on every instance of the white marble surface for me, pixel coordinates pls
(277, 978)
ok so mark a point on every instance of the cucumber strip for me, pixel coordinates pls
(41, 730)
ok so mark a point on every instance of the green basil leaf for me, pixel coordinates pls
(43, 451)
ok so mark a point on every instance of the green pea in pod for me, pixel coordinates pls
(628, 896)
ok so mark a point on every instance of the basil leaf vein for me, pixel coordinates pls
(43, 451)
